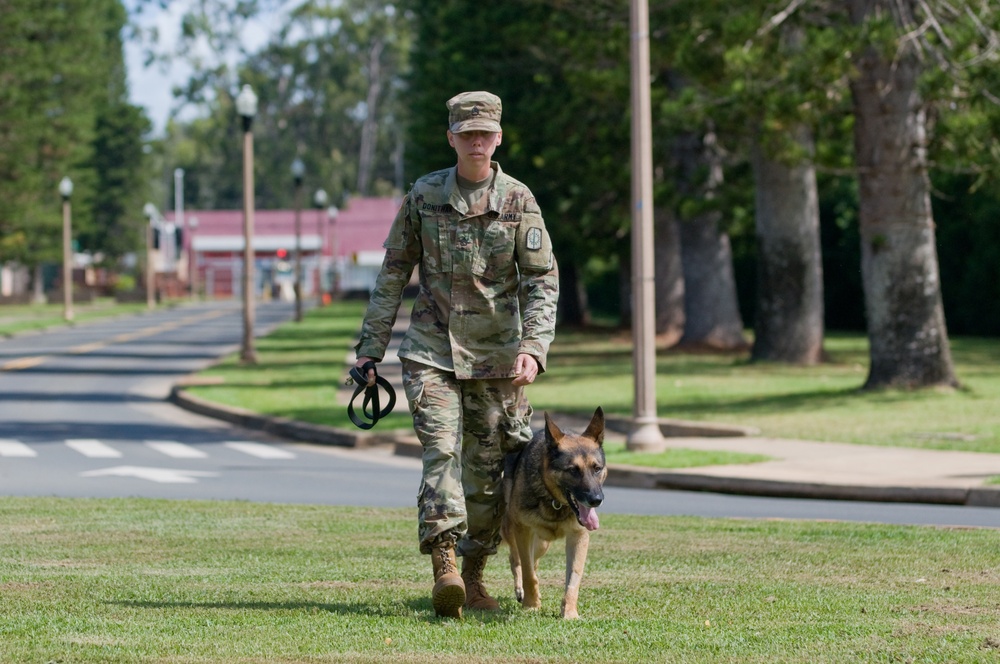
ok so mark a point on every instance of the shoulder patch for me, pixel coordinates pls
(533, 241)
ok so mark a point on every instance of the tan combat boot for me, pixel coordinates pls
(448, 595)
(476, 596)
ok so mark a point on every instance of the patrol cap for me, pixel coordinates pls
(474, 111)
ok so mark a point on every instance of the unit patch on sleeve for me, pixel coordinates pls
(534, 239)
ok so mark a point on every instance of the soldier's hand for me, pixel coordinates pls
(371, 372)
(525, 369)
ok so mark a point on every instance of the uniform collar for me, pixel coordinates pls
(457, 202)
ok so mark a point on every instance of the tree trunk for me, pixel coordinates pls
(37, 286)
(711, 311)
(906, 328)
(573, 307)
(788, 325)
(669, 321)
(369, 128)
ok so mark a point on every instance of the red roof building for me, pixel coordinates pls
(341, 250)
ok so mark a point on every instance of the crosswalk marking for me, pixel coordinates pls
(259, 450)
(94, 449)
(15, 448)
(175, 450)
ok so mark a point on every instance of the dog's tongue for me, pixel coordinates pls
(588, 518)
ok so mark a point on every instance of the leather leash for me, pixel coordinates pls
(370, 407)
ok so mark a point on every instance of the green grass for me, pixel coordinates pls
(302, 364)
(129, 580)
(824, 402)
(18, 318)
(679, 457)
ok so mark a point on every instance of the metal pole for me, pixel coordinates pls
(298, 250)
(248, 354)
(645, 434)
(67, 261)
(150, 274)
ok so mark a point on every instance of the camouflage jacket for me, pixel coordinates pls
(488, 279)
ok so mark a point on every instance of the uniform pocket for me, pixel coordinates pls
(436, 242)
(496, 254)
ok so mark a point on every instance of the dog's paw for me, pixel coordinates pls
(519, 594)
(532, 603)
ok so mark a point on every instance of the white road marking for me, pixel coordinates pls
(259, 450)
(15, 448)
(176, 450)
(93, 448)
(159, 475)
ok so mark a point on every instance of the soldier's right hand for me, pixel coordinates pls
(362, 361)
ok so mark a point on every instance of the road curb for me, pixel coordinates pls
(404, 443)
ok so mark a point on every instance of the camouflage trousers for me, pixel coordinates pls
(465, 428)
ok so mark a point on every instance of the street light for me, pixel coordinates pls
(298, 170)
(192, 225)
(320, 200)
(150, 211)
(246, 106)
(645, 435)
(66, 190)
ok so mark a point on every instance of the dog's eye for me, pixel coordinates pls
(598, 467)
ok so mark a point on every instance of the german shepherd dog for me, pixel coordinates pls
(552, 488)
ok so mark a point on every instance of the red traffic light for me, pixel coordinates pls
(282, 253)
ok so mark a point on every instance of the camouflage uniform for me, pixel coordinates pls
(487, 292)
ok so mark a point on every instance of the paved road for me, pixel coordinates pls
(83, 414)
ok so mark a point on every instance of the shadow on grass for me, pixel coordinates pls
(422, 607)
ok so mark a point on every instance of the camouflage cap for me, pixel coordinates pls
(474, 111)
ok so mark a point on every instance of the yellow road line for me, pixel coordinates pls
(23, 363)
(28, 362)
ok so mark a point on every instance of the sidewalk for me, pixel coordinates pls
(798, 469)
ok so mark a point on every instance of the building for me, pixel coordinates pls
(341, 249)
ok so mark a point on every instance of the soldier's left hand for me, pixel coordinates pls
(525, 369)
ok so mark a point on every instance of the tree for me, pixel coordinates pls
(906, 327)
(327, 80)
(63, 112)
(789, 315)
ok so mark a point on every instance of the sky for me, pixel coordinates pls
(150, 87)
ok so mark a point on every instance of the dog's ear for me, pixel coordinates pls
(552, 432)
(595, 429)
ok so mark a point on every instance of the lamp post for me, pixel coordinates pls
(192, 225)
(66, 190)
(320, 200)
(246, 106)
(150, 211)
(298, 170)
(645, 435)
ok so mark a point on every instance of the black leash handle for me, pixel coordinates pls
(370, 407)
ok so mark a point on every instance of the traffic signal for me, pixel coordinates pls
(282, 253)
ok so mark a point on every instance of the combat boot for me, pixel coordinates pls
(476, 596)
(448, 595)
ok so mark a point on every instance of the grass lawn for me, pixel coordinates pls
(17, 318)
(130, 580)
(302, 364)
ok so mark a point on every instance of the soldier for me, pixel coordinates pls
(480, 329)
